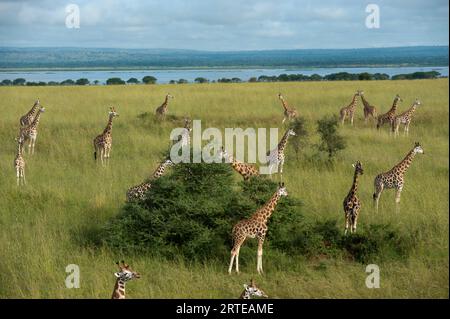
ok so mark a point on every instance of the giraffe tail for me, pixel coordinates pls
(95, 155)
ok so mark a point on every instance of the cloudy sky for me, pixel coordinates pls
(224, 24)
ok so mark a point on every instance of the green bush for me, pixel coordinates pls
(190, 212)
(331, 141)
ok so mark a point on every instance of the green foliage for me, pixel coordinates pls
(192, 211)
(114, 81)
(132, 81)
(201, 80)
(299, 140)
(331, 141)
(82, 81)
(148, 79)
(417, 75)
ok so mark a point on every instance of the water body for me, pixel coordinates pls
(165, 75)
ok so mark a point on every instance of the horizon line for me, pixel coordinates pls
(212, 51)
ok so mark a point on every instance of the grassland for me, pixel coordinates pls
(46, 225)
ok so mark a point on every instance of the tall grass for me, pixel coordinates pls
(46, 224)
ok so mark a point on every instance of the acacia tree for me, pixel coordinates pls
(148, 79)
(331, 141)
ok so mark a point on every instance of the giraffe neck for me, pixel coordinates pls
(166, 101)
(394, 105)
(33, 109)
(406, 162)
(283, 102)
(268, 208)
(108, 128)
(35, 122)
(366, 104)
(353, 102)
(412, 109)
(160, 170)
(355, 183)
(119, 289)
(283, 143)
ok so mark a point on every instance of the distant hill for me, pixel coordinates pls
(19, 58)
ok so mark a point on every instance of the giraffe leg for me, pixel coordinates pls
(259, 267)
(377, 194)
(23, 176)
(397, 201)
(231, 262)
(34, 143)
(355, 221)
(346, 224)
(237, 259)
(284, 119)
(18, 177)
(351, 119)
(235, 253)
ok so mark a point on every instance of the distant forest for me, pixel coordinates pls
(67, 58)
(341, 76)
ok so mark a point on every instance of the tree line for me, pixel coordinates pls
(340, 76)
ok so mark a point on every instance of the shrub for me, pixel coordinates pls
(331, 141)
(149, 79)
(190, 212)
(299, 140)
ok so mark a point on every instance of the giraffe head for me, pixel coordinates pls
(187, 124)
(42, 109)
(125, 273)
(282, 189)
(291, 132)
(280, 96)
(223, 154)
(418, 149)
(398, 98)
(253, 290)
(358, 168)
(417, 102)
(112, 112)
(359, 93)
(169, 96)
(168, 162)
(37, 102)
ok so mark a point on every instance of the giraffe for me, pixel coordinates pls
(185, 136)
(349, 110)
(369, 110)
(352, 204)
(19, 162)
(394, 178)
(138, 192)
(252, 290)
(388, 117)
(162, 109)
(289, 112)
(404, 118)
(30, 132)
(255, 226)
(125, 274)
(28, 118)
(103, 142)
(276, 156)
(246, 170)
